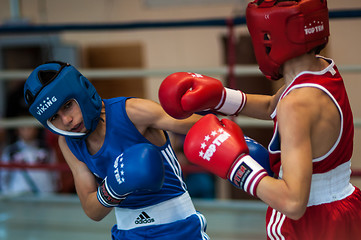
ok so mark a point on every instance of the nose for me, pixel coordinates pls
(66, 119)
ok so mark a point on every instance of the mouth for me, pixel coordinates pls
(78, 127)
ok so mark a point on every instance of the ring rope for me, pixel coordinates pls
(220, 22)
(239, 70)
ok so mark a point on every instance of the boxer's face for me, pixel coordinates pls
(69, 118)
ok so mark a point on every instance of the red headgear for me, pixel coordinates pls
(284, 30)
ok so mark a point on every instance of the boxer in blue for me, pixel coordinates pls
(119, 153)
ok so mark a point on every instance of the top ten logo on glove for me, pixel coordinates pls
(219, 137)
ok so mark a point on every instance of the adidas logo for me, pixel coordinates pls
(144, 218)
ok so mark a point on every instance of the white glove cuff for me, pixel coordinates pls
(232, 102)
(246, 174)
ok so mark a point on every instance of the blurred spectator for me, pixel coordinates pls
(28, 149)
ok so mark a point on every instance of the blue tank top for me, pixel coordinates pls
(121, 134)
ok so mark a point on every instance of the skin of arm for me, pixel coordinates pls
(261, 106)
(85, 184)
(146, 114)
(289, 195)
(308, 129)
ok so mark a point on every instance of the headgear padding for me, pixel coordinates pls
(284, 30)
(51, 85)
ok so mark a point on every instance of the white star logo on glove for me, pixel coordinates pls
(206, 138)
(201, 154)
(118, 169)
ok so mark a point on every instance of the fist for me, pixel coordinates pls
(182, 93)
(215, 144)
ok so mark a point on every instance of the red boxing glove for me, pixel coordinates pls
(182, 93)
(220, 147)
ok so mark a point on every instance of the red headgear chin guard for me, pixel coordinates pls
(284, 30)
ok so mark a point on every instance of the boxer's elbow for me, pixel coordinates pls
(94, 216)
(96, 212)
(295, 209)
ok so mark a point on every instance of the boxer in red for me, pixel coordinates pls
(310, 196)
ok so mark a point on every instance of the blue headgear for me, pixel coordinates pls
(51, 85)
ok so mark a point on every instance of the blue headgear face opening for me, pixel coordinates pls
(51, 85)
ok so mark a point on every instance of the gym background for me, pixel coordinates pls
(127, 47)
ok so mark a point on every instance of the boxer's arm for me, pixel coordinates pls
(290, 194)
(261, 106)
(182, 94)
(85, 184)
(148, 114)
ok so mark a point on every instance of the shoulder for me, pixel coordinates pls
(145, 113)
(69, 157)
(62, 142)
(301, 107)
(64, 146)
(304, 97)
(110, 103)
(141, 108)
(139, 103)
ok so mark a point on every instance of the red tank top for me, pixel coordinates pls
(329, 81)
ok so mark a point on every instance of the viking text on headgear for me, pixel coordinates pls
(45, 105)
